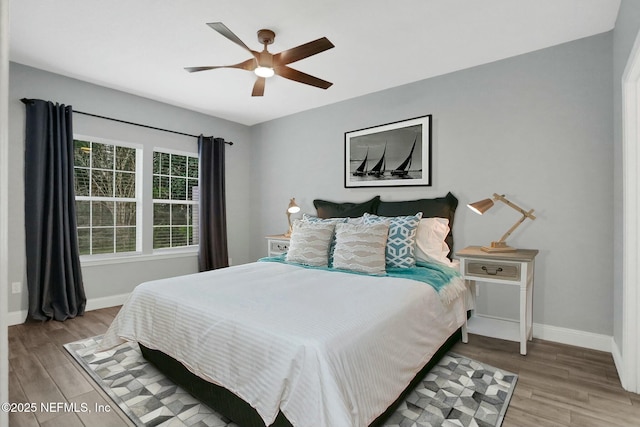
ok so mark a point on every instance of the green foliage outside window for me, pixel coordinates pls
(105, 186)
(107, 201)
(174, 178)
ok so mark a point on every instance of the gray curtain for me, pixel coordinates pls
(213, 251)
(54, 278)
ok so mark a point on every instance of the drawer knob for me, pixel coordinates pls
(492, 273)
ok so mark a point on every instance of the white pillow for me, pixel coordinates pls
(361, 247)
(309, 244)
(430, 243)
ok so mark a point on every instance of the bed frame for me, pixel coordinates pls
(240, 412)
(233, 407)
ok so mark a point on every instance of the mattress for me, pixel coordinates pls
(326, 348)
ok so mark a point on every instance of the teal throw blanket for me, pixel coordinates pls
(445, 280)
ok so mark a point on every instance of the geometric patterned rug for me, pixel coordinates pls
(457, 392)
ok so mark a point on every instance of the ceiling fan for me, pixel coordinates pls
(265, 64)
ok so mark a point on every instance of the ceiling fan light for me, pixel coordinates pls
(264, 72)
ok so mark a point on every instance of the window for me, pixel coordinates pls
(109, 181)
(175, 201)
(106, 197)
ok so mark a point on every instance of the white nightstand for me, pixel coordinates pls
(507, 268)
(277, 244)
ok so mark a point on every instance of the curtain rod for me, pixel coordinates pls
(26, 100)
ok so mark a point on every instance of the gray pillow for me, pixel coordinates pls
(309, 244)
(315, 219)
(361, 247)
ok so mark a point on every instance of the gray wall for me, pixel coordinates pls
(537, 127)
(114, 279)
(624, 36)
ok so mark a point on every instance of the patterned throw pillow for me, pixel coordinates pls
(309, 244)
(356, 220)
(316, 220)
(400, 251)
(361, 247)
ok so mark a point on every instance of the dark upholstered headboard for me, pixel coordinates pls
(442, 207)
(327, 209)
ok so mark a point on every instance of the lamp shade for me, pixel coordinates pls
(481, 207)
(293, 207)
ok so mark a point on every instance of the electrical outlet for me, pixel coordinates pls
(16, 287)
(230, 261)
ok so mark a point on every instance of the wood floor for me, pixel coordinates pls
(41, 370)
(558, 385)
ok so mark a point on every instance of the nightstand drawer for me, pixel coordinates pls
(492, 269)
(278, 246)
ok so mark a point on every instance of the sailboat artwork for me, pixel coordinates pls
(396, 154)
(403, 169)
(362, 169)
(379, 169)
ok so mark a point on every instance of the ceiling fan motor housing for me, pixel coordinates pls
(266, 36)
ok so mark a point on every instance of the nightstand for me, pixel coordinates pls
(277, 244)
(506, 268)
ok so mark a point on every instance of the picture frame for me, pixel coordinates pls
(395, 154)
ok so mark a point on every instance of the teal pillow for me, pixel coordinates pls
(401, 242)
(442, 207)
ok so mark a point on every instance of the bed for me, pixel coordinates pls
(290, 343)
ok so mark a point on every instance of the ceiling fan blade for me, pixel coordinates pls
(258, 87)
(196, 69)
(299, 76)
(249, 65)
(222, 29)
(303, 51)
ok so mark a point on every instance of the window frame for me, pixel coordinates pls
(194, 226)
(138, 199)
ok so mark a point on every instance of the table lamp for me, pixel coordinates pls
(293, 208)
(484, 205)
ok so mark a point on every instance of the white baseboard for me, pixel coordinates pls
(17, 317)
(573, 337)
(104, 302)
(617, 360)
(509, 330)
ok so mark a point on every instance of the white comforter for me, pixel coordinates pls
(327, 348)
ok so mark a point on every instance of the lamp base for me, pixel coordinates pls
(498, 247)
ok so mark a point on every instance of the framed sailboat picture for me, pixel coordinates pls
(392, 155)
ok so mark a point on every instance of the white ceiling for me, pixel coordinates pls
(142, 46)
